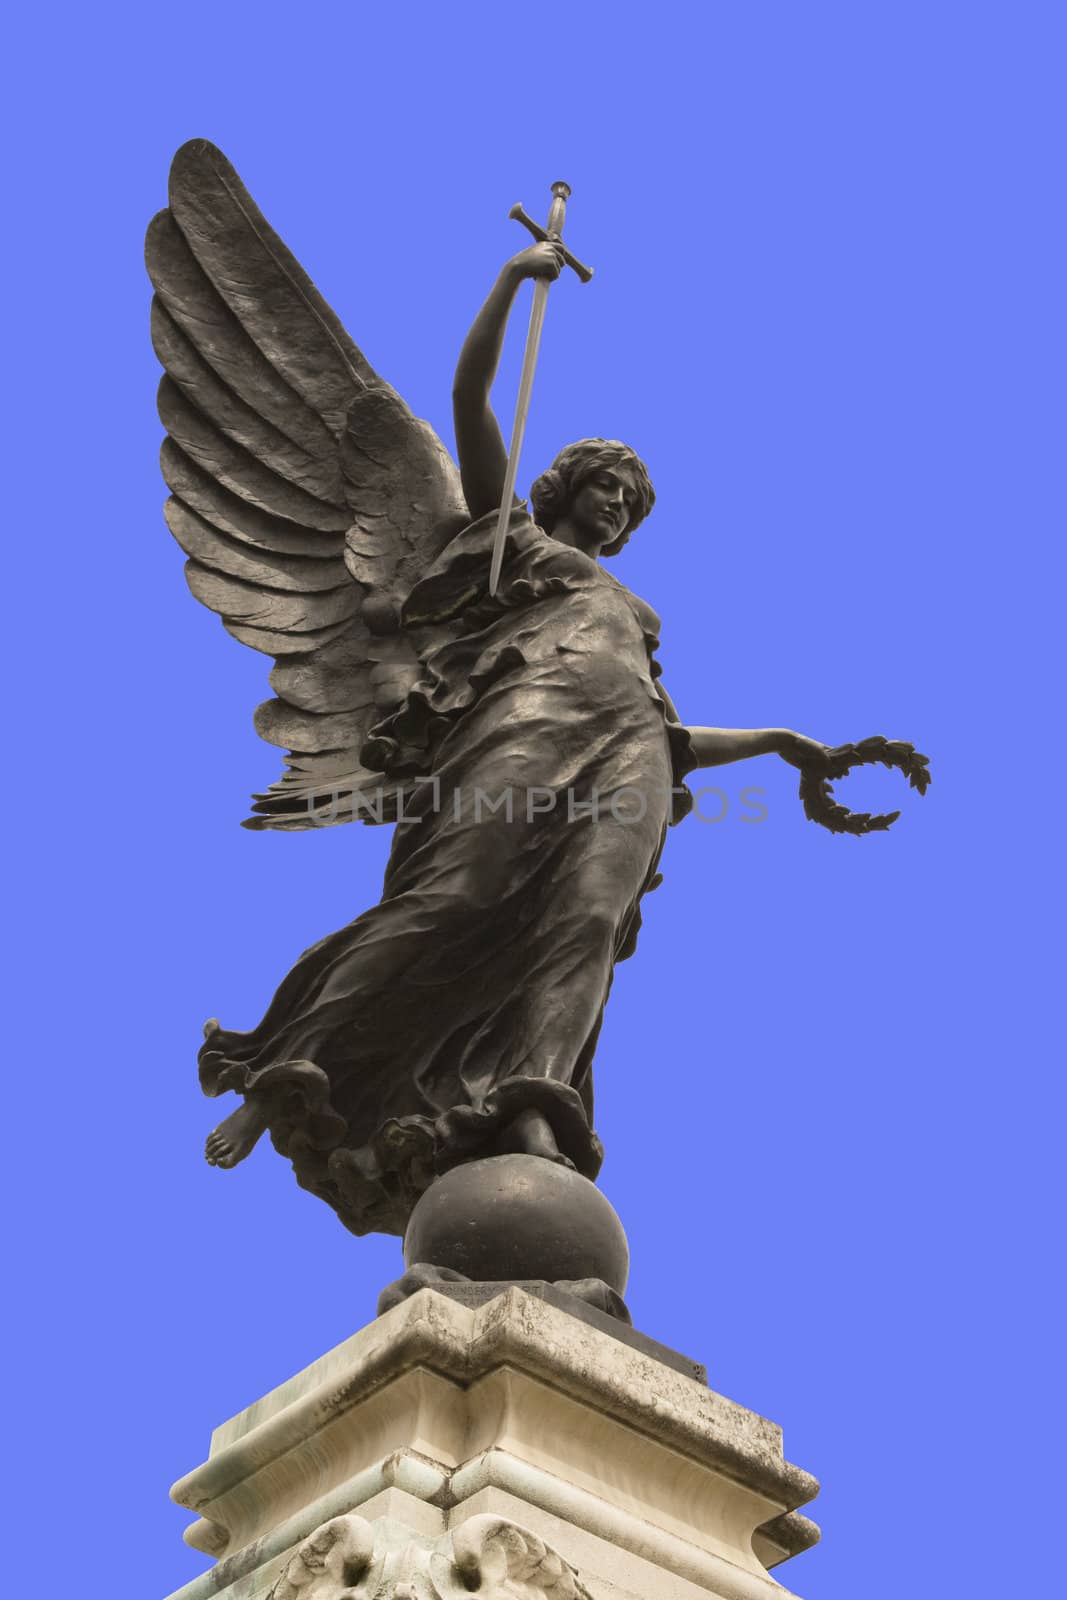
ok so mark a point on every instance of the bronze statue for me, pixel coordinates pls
(521, 741)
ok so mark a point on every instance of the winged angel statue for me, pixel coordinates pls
(521, 741)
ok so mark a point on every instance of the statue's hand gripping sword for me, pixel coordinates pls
(553, 231)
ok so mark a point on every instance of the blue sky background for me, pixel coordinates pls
(828, 312)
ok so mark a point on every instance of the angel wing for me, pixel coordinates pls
(306, 495)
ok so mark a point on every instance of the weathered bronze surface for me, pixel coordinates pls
(522, 741)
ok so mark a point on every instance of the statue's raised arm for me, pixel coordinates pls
(483, 458)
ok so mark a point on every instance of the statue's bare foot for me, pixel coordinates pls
(236, 1138)
(531, 1135)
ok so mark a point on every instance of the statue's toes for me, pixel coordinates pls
(216, 1149)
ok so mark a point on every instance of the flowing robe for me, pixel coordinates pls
(406, 1042)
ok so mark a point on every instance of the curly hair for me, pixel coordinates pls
(555, 489)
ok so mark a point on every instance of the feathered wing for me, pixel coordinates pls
(306, 495)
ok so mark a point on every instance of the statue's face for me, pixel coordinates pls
(604, 504)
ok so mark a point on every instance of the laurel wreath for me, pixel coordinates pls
(817, 793)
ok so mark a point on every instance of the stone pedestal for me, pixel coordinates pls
(508, 1448)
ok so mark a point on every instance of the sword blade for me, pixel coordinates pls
(522, 407)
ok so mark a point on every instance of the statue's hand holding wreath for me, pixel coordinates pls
(818, 764)
(808, 755)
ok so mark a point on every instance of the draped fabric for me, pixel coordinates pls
(542, 774)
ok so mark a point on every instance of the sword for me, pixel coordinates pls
(553, 230)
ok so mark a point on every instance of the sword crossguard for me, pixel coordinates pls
(561, 192)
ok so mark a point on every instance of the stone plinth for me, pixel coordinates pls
(508, 1448)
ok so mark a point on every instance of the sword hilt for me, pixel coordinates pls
(562, 193)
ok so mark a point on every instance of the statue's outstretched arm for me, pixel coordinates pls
(716, 747)
(483, 458)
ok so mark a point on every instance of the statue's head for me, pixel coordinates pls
(554, 491)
